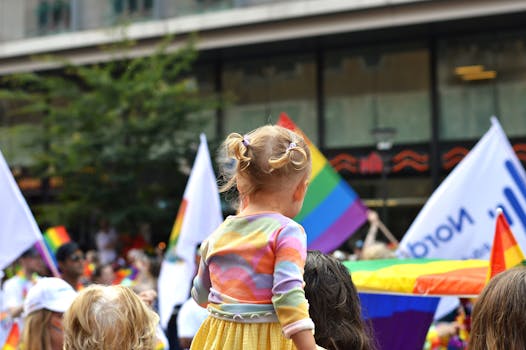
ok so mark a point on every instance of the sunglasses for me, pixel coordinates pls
(76, 257)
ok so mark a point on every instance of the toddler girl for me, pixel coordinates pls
(251, 271)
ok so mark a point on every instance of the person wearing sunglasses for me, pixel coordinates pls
(70, 261)
(44, 306)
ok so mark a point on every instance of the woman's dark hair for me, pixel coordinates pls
(498, 320)
(334, 305)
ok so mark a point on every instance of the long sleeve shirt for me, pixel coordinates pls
(252, 268)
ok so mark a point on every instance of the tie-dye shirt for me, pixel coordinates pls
(252, 268)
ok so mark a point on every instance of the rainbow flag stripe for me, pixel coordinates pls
(332, 211)
(159, 345)
(176, 231)
(430, 277)
(48, 256)
(399, 322)
(505, 251)
(13, 338)
(55, 237)
(126, 276)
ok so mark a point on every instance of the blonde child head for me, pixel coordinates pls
(270, 158)
(109, 317)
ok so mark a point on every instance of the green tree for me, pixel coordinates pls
(116, 134)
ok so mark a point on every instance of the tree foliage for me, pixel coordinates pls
(117, 134)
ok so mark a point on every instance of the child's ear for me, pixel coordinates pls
(301, 189)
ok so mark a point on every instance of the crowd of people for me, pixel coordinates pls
(257, 286)
(34, 303)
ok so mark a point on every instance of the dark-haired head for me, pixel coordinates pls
(334, 305)
(66, 250)
(498, 320)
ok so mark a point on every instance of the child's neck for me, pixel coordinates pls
(254, 209)
(266, 203)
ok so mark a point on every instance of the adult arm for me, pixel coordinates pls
(304, 340)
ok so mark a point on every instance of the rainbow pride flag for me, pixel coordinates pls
(400, 296)
(331, 211)
(13, 338)
(55, 237)
(505, 251)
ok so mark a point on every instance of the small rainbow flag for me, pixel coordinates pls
(331, 211)
(55, 237)
(505, 252)
(125, 276)
(13, 338)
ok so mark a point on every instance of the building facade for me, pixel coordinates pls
(426, 75)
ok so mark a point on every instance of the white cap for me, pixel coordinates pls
(49, 293)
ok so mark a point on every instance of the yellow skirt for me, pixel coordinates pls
(218, 334)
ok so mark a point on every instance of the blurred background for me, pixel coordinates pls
(393, 92)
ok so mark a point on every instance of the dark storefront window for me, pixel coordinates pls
(132, 8)
(479, 77)
(53, 16)
(261, 89)
(376, 87)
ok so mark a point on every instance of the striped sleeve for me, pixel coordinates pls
(288, 297)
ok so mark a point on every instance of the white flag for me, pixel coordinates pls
(198, 215)
(18, 228)
(458, 220)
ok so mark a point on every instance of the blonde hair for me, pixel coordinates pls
(267, 158)
(109, 317)
(35, 335)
